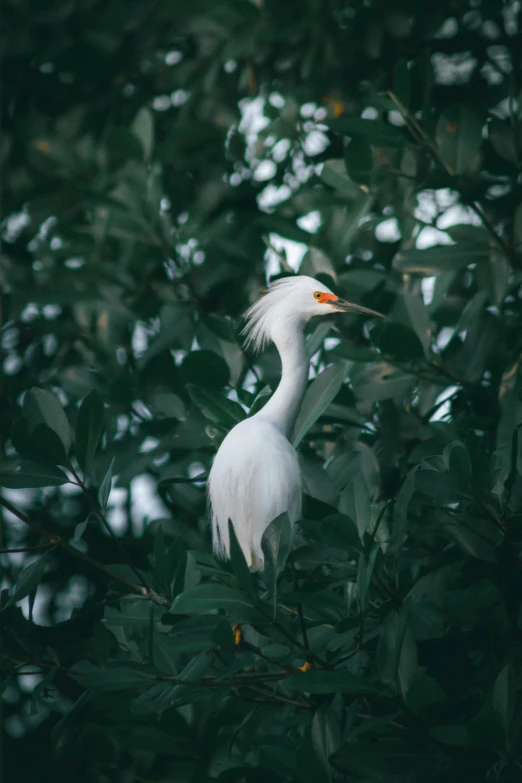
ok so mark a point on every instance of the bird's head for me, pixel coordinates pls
(290, 302)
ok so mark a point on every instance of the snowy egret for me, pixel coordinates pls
(255, 475)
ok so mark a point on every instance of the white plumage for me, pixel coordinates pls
(255, 475)
(254, 478)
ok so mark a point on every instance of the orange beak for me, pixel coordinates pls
(347, 307)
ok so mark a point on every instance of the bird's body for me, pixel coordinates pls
(255, 476)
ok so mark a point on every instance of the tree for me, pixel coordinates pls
(159, 160)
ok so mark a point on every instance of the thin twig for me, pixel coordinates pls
(378, 523)
(308, 653)
(300, 611)
(296, 613)
(200, 478)
(370, 717)
(277, 697)
(282, 260)
(25, 548)
(350, 655)
(249, 679)
(101, 516)
(257, 651)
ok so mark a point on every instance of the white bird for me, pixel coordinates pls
(255, 475)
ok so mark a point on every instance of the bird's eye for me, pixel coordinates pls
(317, 295)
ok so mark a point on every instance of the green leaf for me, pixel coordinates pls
(278, 757)
(167, 405)
(459, 136)
(504, 696)
(503, 140)
(479, 605)
(90, 422)
(402, 81)
(131, 614)
(283, 226)
(419, 319)
(205, 369)
(381, 382)
(260, 399)
(480, 340)
(396, 653)
(40, 444)
(105, 486)
(459, 465)
(207, 597)
(192, 635)
(102, 747)
(165, 654)
(40, 406)
(39, 691)
(456, 735)
(155, 699)
(326, 736)
(375, 132)
(308, 767)
(33, 475)
(219, 326)
(29, 579)
(69, 724)
(475, 536)
(177, 561)
(355, 503)
(276, 543)
(315, 263)
(400, 511)
(187, 694)
(440, 259)
(517, 225)
(114, 676)
(195, 669)
(218, 410)
(397, 341)
(318, 397)
(425, 695)
(223, 635)
(79, 530)
(329, 682)
(176, 330)
(143, 128)
(239, 565)
(161, 564)
(365, 571)
(437, 486)
(174, 742)
(385, 757)
(333, 173)
(358, 159)
(340, 530)
(122, 144)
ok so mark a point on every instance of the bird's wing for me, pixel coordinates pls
(254, 478)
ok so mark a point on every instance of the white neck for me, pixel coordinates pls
(283, 406)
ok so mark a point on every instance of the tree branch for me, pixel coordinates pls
(429, 145)
(63, 544)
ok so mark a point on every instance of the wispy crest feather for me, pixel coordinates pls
(259, 316)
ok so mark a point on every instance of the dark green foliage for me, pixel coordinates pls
(140, 209)
(89, 429)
